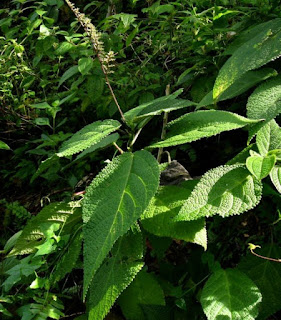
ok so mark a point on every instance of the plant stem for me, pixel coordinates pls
(165, 121)
(117, 147)
(265, 258)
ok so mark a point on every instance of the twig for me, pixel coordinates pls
(163, 133)
(117, 147)
(252, 247)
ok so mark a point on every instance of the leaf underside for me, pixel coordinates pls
(32, 235)
(269, 137)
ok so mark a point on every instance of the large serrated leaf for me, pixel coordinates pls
(115, 274)
(230, 294)
(259, 50)
(201, 124)
(113, 202)
(144, 290)
(105, 142)
(260, 166)
(32, 235)
(269, 137)
(225, 190)
(265, 101)
(275, 176)
(87, 137)
(267, 276)
(165, 205)
(157, 106)
(249, 80)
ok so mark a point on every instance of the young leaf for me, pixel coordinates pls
(225, 190)
(4, 146)
(259, 50)
(32, 234)
(264, 102)
(201, 124)
(230, 294)
(157, 106)
(269, 137)
(267, 276)
(87, 137)
(113, 202)
(115, 274)
(144, 290)
(68, 74)
(242, 156)
(259, 166)
(275, 176)
(164, 206)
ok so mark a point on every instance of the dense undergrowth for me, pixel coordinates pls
(100, 120)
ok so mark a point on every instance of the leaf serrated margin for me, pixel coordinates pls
(226, 190)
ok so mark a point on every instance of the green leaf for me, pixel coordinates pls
(269, 137)
(267, 276)
(105, 142)
(115, 274)
(33, 235)
(275, 176)
(4, 146)
(41, 106)
(242, 156)
(69, 259)
(230, 294)
(265, 101)
(113, 202)
(95, 87)
(260, 166)
(85, 65)
(45, 165)
(144, 290)
(63, 48)
(42, 122)
(157, 106)
(45, 248)
(87, 137)
(249, 80)
(259, 50)
(68, 74)
(165, 205)
(201, 124)
(225, 190)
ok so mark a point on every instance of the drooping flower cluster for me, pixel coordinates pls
(105, 58)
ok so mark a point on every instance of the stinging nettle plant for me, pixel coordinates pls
(125, 199)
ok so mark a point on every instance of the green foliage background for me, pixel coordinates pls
(198, 78)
